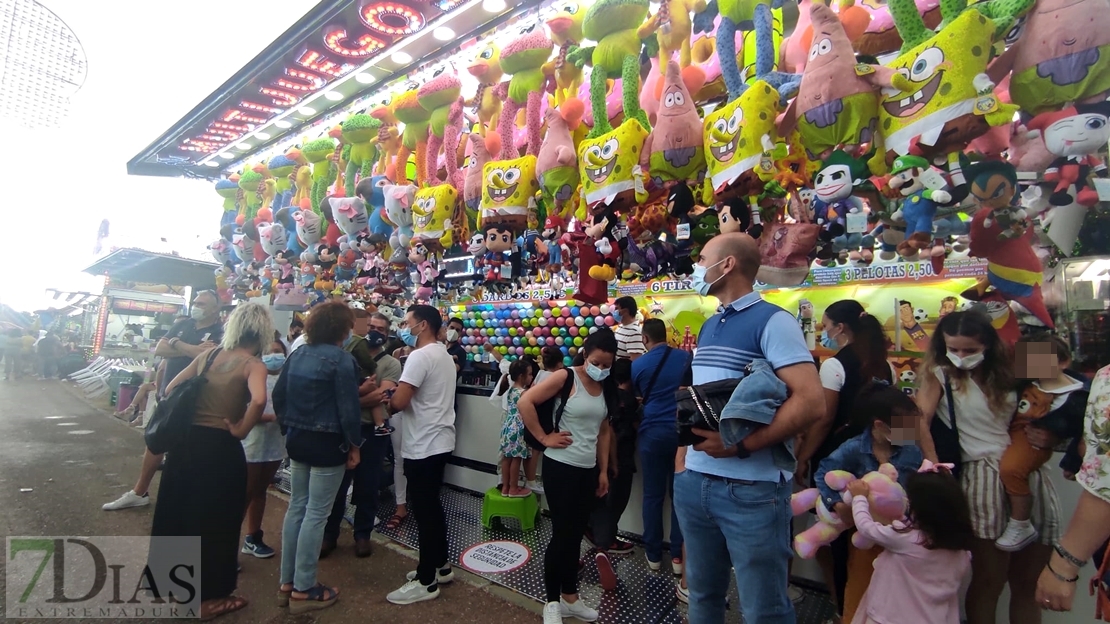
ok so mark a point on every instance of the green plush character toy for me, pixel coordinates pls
(359, 132)
(324, 171)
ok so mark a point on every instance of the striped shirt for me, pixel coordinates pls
(630, 340)
(747, 329)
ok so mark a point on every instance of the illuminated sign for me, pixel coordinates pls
(359, 31)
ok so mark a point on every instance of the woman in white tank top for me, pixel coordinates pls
(966, 351)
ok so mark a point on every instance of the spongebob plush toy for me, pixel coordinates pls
(610, 167)
(509, 192)
(432, 211)
(737, 135)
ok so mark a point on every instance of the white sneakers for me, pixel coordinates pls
(1018, 535)
(576, 609)
(413, 592)
(535, 486)
(128, 500)
(654, 566)
(552, 613)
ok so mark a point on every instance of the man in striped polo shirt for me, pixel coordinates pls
(630, 341)
(736, 499)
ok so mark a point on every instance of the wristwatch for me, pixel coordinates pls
(741, 451)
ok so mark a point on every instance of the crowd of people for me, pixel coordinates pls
(346, 388)
(32, 353)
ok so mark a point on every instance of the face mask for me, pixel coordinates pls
(197, 313)
(827, 341)
(616, 314)
(375, 339)
(406, 337)
(596, 373)
(273, 361)
(966, 363)
(697, 279)
(452, 335)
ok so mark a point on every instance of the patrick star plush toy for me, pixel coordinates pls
(887, 500)
(674, 150)
(557, 163)
(838, 100)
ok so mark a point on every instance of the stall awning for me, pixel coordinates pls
(137, 265)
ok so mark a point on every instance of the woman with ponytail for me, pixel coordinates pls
(860, 360)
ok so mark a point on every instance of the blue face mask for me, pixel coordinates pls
(596, 373)
(616, 313)
(405, 334)
(273, 361)
(697, 279)
(828, 342)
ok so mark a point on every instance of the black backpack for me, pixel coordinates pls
(549, 417)
(169, 425)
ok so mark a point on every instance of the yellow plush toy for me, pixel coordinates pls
(738, 134)
(432, 209)
(486, 67)
(952, 101)
(610, 167)
(509, 192)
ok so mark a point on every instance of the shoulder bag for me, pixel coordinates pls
(169, 425)
(699, 407)
(548, 415)
(946, 440)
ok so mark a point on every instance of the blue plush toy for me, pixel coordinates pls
(747, 15)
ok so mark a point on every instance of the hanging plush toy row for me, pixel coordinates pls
(611, 142)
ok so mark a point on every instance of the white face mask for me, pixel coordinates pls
(966, 363)
(596, 372)
(452, 335)
(697, 278)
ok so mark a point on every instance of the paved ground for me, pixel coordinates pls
(75, 457)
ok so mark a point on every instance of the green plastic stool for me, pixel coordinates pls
(525, 510)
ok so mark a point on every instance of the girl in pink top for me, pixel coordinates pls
(917, 577)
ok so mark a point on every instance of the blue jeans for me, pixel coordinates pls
(367, 476)
(750, 521)
(657, 452)
(313, 492)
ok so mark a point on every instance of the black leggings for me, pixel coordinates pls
(571, 496)
(425, 478)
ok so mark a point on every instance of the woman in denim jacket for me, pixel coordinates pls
(316, 401)
(887, 416)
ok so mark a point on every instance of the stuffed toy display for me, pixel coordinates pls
(1075, 135)
(610, 140)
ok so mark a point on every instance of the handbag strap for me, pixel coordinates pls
(655, 375)
(1102, 598)
(208, 361)
(564, 396)
(951, 404)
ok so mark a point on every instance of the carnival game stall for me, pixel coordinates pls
(522, 166)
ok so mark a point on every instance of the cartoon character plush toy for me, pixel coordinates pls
(474, 179)
(838, 100)
(273, 237)
(834, 202)
(1075, 136)
(566, 32)
(388, 140)
(486, 67)
(509, 192)
(950, 100)
(359, 131)
(324, 170)
(414, 138)
(557, 164)
(887, 503)
(919, 204)
(524, 59)
(350, 216)
(736, 136)
(552, 231)
(440, 96)
(674, 150)
(1013, 268)
(398, 207)
(498, 261)
(309, 227)
(432, 212)
(1062, 55)
(994, 187)
(613, 24)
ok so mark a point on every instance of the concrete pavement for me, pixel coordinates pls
(74, 457)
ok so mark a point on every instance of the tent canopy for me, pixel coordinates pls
(137, 265)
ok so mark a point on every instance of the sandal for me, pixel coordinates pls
(284, 594)
(222, 606)
(319, 597)
(395, 522)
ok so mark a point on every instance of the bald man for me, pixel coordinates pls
(724, 498)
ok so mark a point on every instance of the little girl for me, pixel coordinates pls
(886, 416)
(1050, 400)
(514, 449)
(925, 558)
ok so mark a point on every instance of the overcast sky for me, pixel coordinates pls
(149, 63)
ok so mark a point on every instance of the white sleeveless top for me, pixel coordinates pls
(984, 433)
(582, 418)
